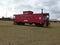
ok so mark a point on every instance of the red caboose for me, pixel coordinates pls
(39, 19)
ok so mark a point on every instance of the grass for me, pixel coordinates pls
(29, 35)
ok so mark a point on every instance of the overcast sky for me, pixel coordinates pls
(10, 7)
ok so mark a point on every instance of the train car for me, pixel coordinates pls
(39, 19)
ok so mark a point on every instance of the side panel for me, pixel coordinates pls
(37, 18)
(33, 18)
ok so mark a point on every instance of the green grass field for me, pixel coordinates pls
(29, 35)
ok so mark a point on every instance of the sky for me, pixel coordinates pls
(10, 7)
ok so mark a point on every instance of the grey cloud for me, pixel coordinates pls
(54, 8)
(18, 6)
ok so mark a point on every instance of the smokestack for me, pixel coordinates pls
(41, 10)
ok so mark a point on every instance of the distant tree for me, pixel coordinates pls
(2, 17)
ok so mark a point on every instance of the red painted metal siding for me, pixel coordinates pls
(30, 18)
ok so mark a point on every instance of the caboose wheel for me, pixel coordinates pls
(36, 24)
(30, 23)
(21, 23)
